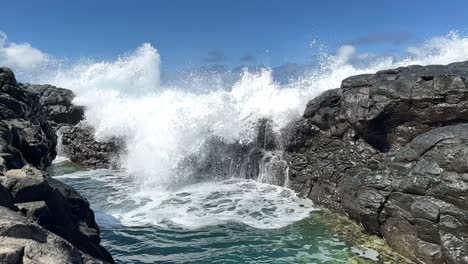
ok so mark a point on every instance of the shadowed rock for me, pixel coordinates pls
(25, 134)
(22, 241)
(57, 103)
(68, 232)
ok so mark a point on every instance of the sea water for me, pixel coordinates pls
(228, 221)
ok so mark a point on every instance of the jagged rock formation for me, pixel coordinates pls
(77, 139)
(23, 241)
(25, 135)
(220, 159)
(390, 150)
(80, 146)
(65, 230)
(57, 105)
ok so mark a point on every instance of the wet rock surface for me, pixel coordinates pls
(76, 140)
(79, 145)
(390, 150)
(41, 219)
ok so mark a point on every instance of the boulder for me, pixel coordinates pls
(5, 198)
(22, 241)
(54, 206)
(26, 185)
(36, 211)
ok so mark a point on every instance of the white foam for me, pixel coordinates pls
(204, 204)
(162, 125)
(60, 159)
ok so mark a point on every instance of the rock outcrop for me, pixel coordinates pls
(23, 241)
(79, 145)
(25, 135)
(76, 140)
(41, 219)
(390, 150)
(57, 104)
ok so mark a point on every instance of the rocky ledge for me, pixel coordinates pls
(390, 150)
(41, 219)
(76, 140)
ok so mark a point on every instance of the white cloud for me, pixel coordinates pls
(20, 56)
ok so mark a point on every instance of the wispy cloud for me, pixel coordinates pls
(376, 38)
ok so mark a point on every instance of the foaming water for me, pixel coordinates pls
(145, 217)
(198, 205)
(163, 124)
(232, 221)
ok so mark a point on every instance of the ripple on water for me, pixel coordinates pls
(232, 221)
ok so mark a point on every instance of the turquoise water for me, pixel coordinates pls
(233, 221)
(306, 241)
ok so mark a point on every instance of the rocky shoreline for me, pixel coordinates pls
(41, 219)
(389, 150)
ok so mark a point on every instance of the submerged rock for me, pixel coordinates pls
(390, 150)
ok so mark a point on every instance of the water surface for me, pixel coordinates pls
(230, 221)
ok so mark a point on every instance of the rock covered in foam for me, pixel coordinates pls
(389, 150)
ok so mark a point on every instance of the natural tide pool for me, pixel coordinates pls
(230, 221)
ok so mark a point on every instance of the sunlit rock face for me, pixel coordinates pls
(390, 150)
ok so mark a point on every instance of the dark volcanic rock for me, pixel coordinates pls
(25, 187)
(27, 146)
(36, 211)
(25, 134)
(77, 140)
(57, 103)
(55, 206)
(79, 145)
(74, 220)
(22, 241)
(390, 150)
(5, 198)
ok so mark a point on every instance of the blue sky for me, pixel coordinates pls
(226, 31)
